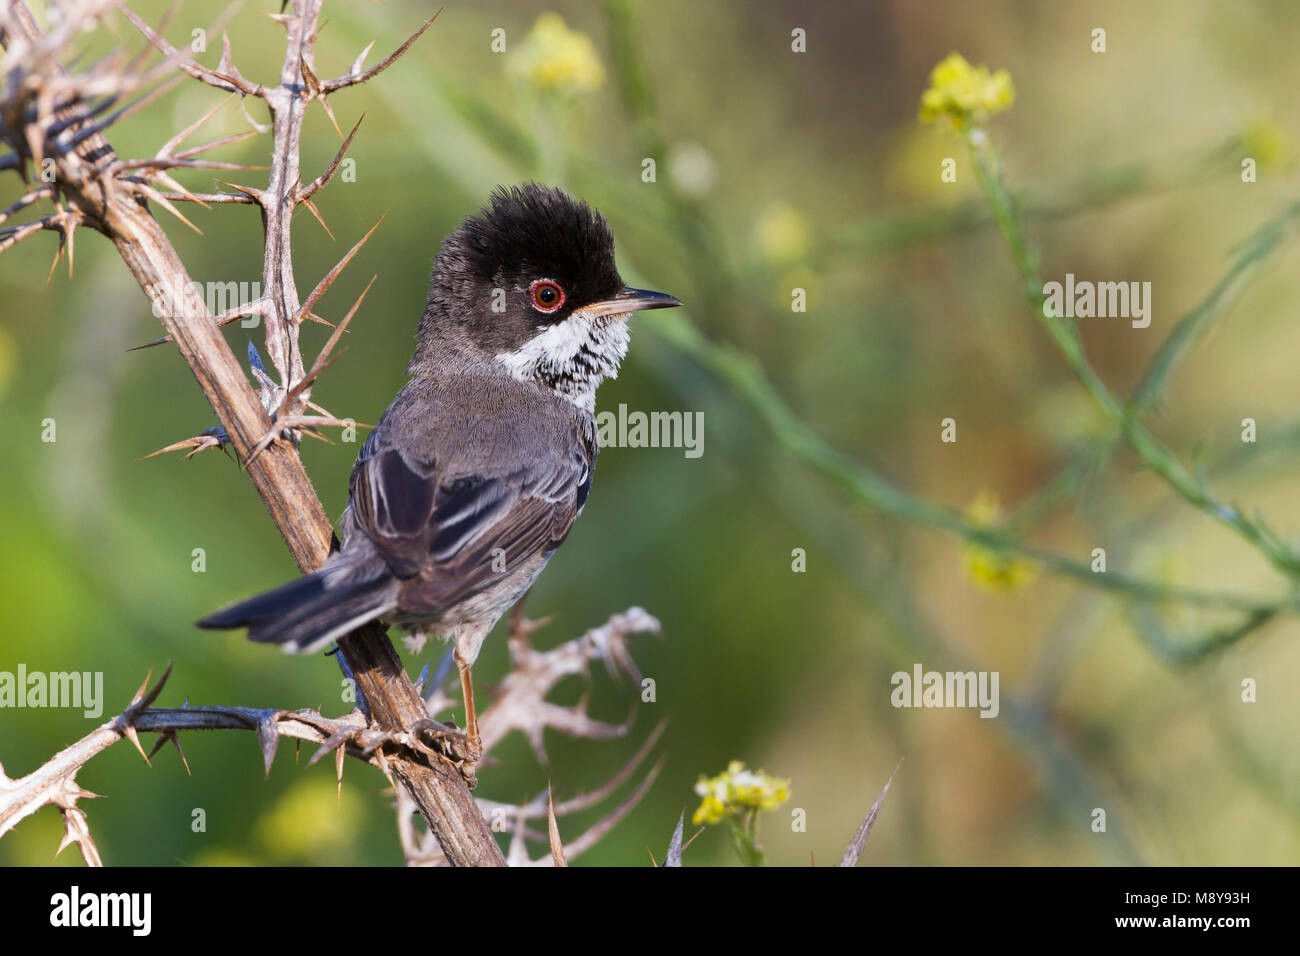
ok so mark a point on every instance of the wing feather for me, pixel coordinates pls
(447, 536)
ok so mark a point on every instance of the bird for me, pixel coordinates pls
(474, 475)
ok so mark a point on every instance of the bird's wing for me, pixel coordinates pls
(457, 534)
(392, 504)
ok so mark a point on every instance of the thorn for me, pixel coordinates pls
(162, 739)
(214, 437)
(199, 72)
(71, 231)
(207, 199)
(176, 162)
(164, 202)
(134, 737)
(226, 64)
(553, 829)
(314, 91)
(258, 127)
(352, 77)
(76, 792)
(225, 318)
(310, 433)
(338, 770)
(325, 105)
(311, 208)
(268, 738)
(687, 845)
(249, 191)
(223, 141)
(360, 61)
(333, 742)
(144, 697)
(178, 189)
(333, 274)
(58, 254)
(333, 165)
(137, 63)
(175, 740)
(323, 360)
(674, 857)
(139, 694)
(290, 422)
(854, 849)
(188, 131)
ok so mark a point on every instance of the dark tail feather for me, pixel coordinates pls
(304, 615)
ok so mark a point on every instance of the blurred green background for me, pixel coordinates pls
(774, 170)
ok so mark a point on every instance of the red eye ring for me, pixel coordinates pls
(546, 294)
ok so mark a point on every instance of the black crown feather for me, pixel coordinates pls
(535, 230)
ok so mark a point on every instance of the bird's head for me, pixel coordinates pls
(530, 281)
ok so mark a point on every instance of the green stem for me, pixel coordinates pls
(746, 381)
(1066, 336)
(744, 837)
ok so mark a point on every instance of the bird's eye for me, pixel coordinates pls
(547, 295)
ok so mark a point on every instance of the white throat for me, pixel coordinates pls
(572, 357)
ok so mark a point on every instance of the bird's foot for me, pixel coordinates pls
(460, 747)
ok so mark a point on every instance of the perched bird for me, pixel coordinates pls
(477, 470)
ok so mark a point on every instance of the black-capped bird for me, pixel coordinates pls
(477, 470)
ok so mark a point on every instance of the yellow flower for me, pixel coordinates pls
(964, 94)
(557, 59)
(782, 234)
(1266, 142)
(994, 570)
(736, 791)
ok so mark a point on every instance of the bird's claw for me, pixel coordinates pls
(456, 745)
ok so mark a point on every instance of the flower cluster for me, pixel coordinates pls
(559, 60)
(994, 570)
(965, 95)
(738, 791)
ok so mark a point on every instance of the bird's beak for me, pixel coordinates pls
(632, 300)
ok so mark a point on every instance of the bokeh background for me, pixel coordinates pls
(775, 170)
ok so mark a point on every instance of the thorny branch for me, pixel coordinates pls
(53, 122)
(520, 703)
(354, 735)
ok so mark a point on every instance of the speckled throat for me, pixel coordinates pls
(572, 357)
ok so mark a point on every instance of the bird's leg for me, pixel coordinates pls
(464, 747)
(474, 743)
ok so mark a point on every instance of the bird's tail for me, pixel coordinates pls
(305, 615)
